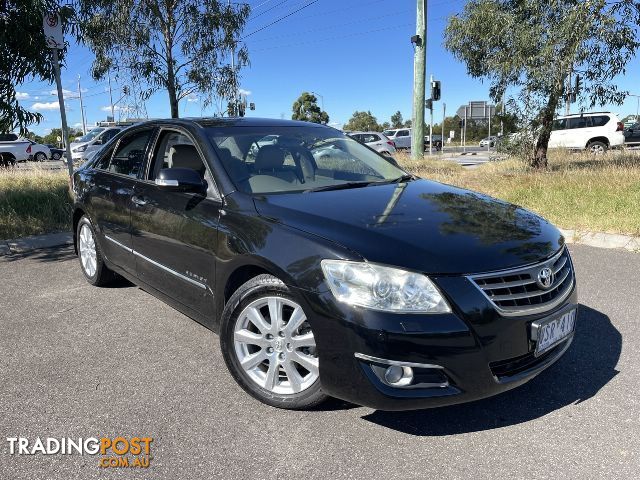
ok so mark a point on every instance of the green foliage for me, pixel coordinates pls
(535, 44)
(52, 136)
(363, 121)
(306, 108)
(396, 120)
(181, 46)
(24, 57)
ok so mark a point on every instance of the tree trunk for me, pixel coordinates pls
(539, 159)
(173, 100)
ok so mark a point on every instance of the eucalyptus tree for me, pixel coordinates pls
(536, 45)
(306, 108)
(181, 46)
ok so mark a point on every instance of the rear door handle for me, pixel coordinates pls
(138, 201)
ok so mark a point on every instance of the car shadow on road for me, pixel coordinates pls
(588, 365)
(46, 255)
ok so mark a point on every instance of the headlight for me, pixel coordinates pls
(383, 288)
(81, 148)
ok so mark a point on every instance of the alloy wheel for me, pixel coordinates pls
(87, 248)
(275, 346)
(597, 149)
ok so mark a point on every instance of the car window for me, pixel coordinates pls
(128, 158)
(370, 138)
(403, 133)
(90, 136)
(577, 122)
(8, 137)
(559, 124)
(599, 120)
(297, 159)
(388, 133)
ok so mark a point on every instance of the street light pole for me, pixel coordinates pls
(419, 73)
(321, 99)
(84, 123)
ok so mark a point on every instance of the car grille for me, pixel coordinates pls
(518, 292)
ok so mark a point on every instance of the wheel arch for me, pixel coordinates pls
(604, 140)
(78, 213)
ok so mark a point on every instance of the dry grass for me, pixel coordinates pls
(33, 202)
(579, 191)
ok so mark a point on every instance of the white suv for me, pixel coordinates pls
(596, 132)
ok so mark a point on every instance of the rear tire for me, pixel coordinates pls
(55, 156)
(90, 256)
(597, 148)
(40, 157)
(274, 361)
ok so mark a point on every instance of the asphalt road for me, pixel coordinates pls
(78, 361)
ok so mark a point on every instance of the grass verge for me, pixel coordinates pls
(578, 191)
(33, 202)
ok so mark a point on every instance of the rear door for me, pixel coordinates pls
(115, 176)
(558, 133)
(578, 132)
(403, 139)
(175, 233)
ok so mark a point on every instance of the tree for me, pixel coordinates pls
(306, 108)
(181, 46)
(362, 121)
(25, 56)
(52, 136)
(396, 120)
(499, 41)
(385, 126)
(407, 123)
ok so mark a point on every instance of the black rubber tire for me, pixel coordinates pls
(103, 276)
(40, 157)
(604, 146)
(55, 156)
(260, 286)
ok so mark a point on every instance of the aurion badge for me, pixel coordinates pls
(545, 278)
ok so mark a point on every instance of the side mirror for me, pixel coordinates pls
(181, 179)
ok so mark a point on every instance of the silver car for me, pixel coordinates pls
(378, 141)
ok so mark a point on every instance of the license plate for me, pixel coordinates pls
(553, 331)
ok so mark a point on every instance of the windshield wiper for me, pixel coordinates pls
(338, 186)
(404, 178)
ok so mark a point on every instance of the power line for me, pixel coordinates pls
(279, 19)
(251, 17)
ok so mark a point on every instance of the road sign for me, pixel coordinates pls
(59, 138)
(452, 134)
(52, 27)
(476, 111)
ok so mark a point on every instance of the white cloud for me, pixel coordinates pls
(36, 98)
(66, 93)
(116, 108)
(192, 98)
(77, 125)
(22, 96)
(45, 106)
(242, 91)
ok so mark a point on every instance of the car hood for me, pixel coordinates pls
(420, 225)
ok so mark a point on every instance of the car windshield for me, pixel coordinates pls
(388, 133)
(90, 136)
(263, 160)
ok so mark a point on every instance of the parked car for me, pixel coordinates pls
(488, 142)
(596, 132)
(85, 147)
(13, 149)
(437, 142)
(401, 137)
(632, 135)
(56, 153)
(39, 152)
(327, 275)
(378, 141)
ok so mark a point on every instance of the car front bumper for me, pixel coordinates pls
(466, 355)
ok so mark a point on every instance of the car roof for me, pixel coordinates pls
(586, 114)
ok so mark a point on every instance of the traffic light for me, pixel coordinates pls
(428, 103)
(461, 123)
(436, 93)
(576, 87)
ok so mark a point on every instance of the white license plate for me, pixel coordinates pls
(552, 332)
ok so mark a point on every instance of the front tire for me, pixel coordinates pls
(90, 255)
(40, 157)
(55, 156)
(269, 347)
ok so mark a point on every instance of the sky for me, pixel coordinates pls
(354, 54)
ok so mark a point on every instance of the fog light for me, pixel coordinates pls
(398, 376)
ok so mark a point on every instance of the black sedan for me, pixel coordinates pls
(56, 153)
(326, 269)
(632, 135)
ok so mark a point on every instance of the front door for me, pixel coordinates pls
(116, 174)
(175, 233)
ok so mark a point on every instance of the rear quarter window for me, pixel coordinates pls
(600, 120)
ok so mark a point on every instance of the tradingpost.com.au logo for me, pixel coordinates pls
(118, 452)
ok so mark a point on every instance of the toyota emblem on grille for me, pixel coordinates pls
(545, 278)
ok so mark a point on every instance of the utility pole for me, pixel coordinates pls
(113, 117)
(568, 96)
(84, 124)
(233, 68)
(464, 144)
(419, 41)
(444, 115)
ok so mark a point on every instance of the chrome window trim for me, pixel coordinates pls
(157, 264)
(532, 310)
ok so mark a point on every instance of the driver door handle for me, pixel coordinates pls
(139, 202)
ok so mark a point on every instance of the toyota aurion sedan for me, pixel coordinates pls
(325, 269)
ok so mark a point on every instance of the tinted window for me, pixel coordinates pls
(8, 137)
(559, 124)
(128, 157)
(389, 133)
(599, 120)
(297, 159)
(403, 133)
(90, 136)
(578, 122)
